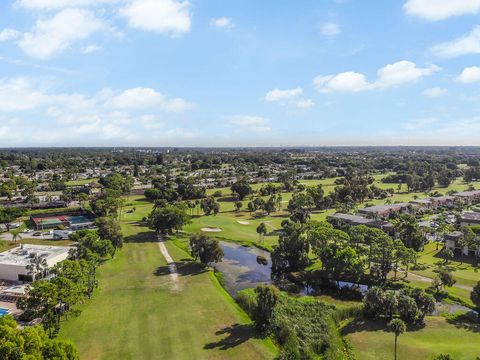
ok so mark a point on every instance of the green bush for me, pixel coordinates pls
(247, 301)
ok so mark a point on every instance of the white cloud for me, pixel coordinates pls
(60, 4)
(51, 36)
(330, 29)
(290, 97)
(402, 72)
(163, 16)
(249, 123)
(145, 98)
(222, 22)
(18, 94)
(434, 92)
(279, 95)
(304, 104)
(441, 9)
(467, 44)
(52, 118)
(8, 34)
(89, 49)
(346, 81)
(469, 75)
(390, 75)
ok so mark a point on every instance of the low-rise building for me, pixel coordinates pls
(385, 210)
(355, 220)
(452, 241)
(443, 201)
(14, 263)
(469, 197)
(470, 218)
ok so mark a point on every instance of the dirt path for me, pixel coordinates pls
(171, 264)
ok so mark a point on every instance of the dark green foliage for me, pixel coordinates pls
(475, 296)
(305, 329)
(166, 219)
(267, 297)
(109, 229)
(291, 253)
(411, 305)
(205, 249)
(32, 343)
(242, 188)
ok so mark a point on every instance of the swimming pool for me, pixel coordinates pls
(4, 312)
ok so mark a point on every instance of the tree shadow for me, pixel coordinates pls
(227, 199)
(468, 321)
(363, 325)
(236, 335)
(186, 267)
(142, 237)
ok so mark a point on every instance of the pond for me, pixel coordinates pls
(241, 270)
(240, 267)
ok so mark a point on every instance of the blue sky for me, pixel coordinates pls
(239, 73)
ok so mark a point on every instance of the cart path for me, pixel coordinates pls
(171, 264)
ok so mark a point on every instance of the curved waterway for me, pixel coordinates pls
(240, 268)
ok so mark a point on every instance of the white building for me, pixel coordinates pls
(14, 262)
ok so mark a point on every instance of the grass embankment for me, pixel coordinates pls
(139, 313)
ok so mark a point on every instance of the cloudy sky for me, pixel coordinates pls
(239, 73)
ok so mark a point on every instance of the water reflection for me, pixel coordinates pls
(241, 269)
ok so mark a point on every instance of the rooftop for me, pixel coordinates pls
(21, 255)
(382, 208)
(471, 193)
(471, 215)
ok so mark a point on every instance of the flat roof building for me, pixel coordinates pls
(470, 218)
(384, 210)
(14, 262)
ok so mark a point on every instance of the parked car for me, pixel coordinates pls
(37, 233)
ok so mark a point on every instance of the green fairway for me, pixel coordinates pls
(139, 313)
(372, 342)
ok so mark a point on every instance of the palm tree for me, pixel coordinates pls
(262, 230)
(37, 266)
(16, 234)
(398, 327)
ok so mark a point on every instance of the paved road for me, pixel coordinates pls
(8, 237)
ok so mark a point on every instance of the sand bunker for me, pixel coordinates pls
(243, 222)
(211, 229)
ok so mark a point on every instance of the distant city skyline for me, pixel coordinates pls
(239, 73)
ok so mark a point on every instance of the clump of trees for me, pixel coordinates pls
(165, 219)
(242, 189)
(74, 280)
(180, 189)
(205, 249)
(303, 327)
(31, 342)
(410, 305)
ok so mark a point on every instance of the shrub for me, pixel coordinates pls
(247, 301)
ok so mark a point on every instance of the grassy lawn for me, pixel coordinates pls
(81, 182)
(372, 342)
(465, 274)
(138, 313)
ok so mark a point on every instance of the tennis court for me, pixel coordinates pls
(69, 221)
